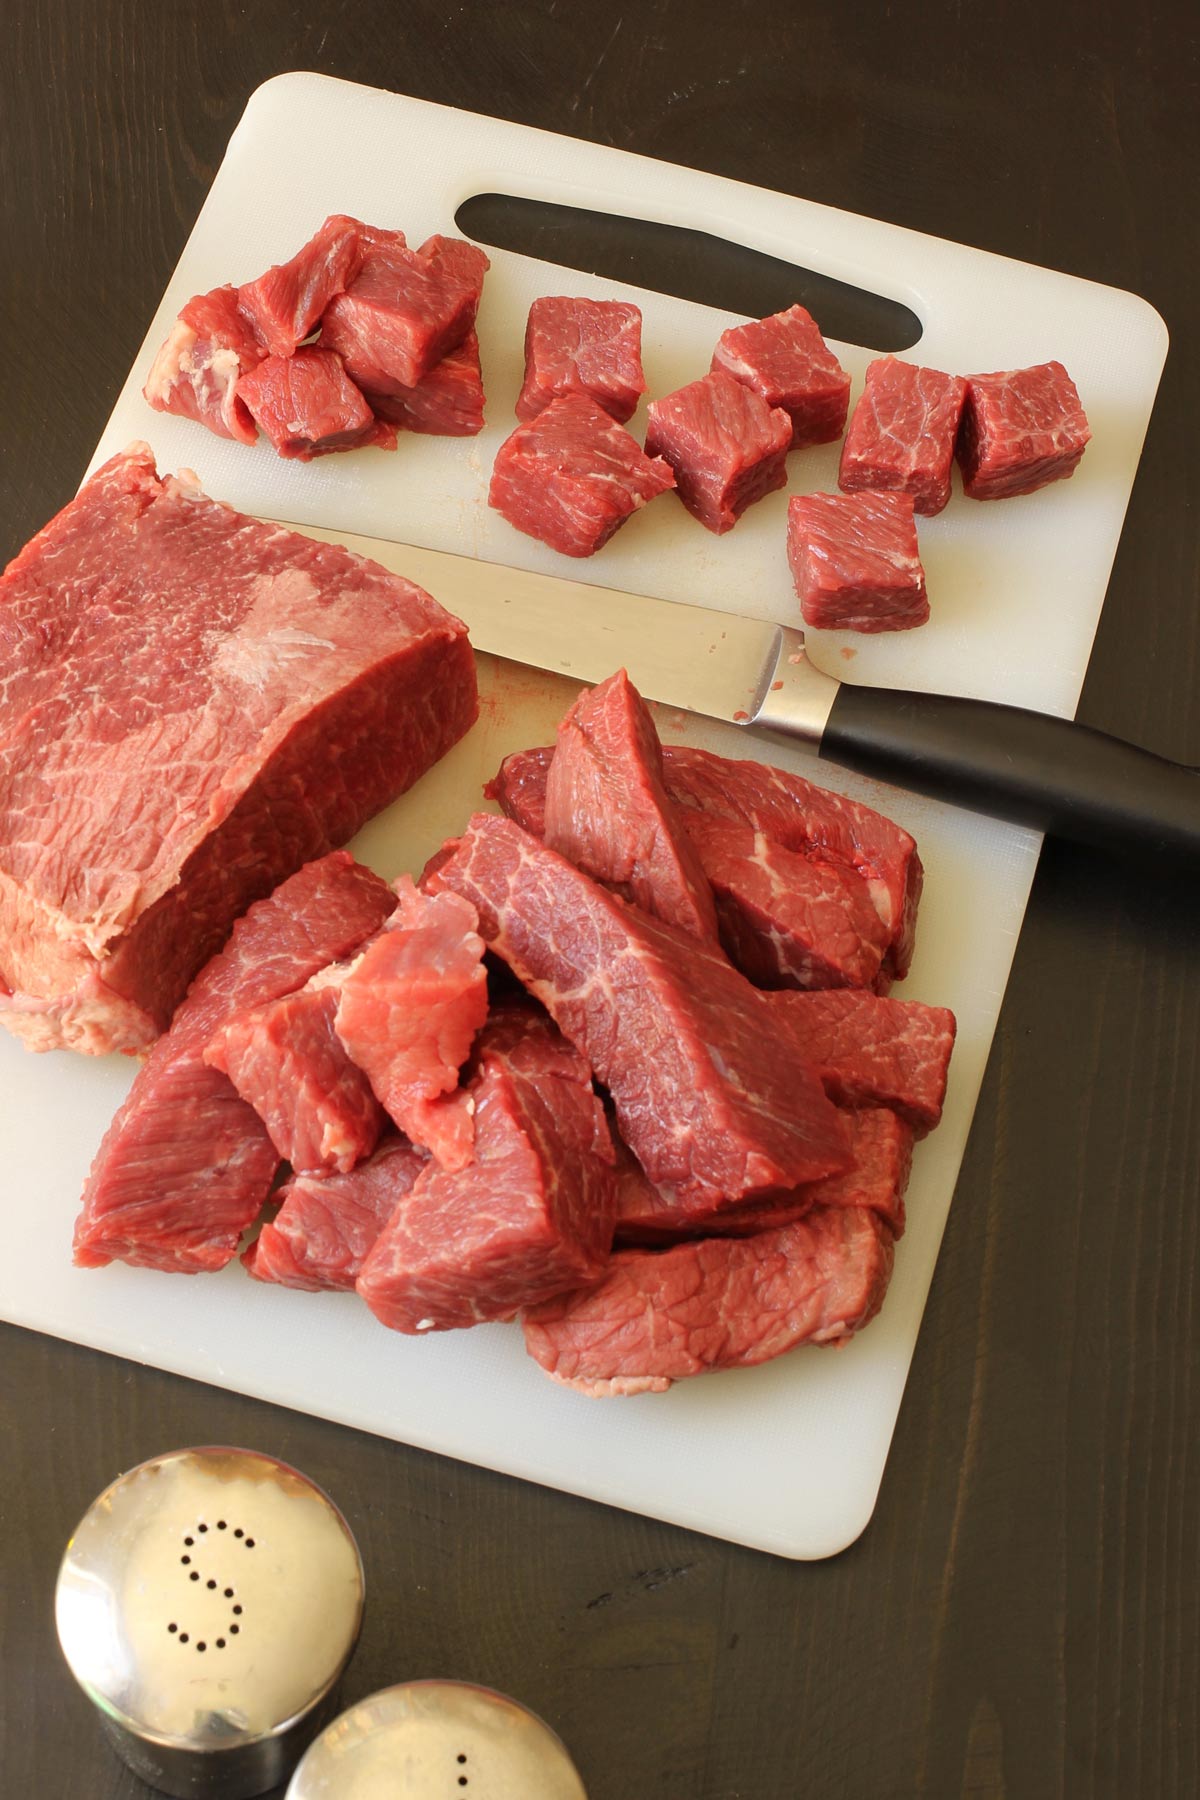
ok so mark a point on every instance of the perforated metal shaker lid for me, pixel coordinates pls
(437, 1740)
(207, 1604)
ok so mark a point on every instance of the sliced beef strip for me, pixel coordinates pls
(785, 359)
(530, 1216)
(903, 431)
(608, 812)
(712, 1095)
(326, 1227)
(193, 704)
(855, 562)
(577, 346)
(196, 373)
(308, 406)
(872, 1051)
(285, 304)
(186, 1165)
(727, 447)
(717, 1303)
(1021, 429)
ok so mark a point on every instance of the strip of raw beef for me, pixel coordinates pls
(591, 347)
(786, 360)
(195, 374)
(1020, 430)
(285, 304)
(326, 1226)
(308, 406)
(286, 1061)
(903, 432)
(855, 562)
(728, 448)
(448, 403)
(571, 476)
(608, 812)
(876, 1052)
(408, 1012)
(192, 704)
(711, 1095)
(882, 1146)
(719, 1303)
(400, 315)
(532, 1215)
(186, 1165)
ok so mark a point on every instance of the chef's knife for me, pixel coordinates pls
(1027, 767)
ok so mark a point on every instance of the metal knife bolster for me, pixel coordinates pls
(795, 698)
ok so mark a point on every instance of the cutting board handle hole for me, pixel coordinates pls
(692, 265)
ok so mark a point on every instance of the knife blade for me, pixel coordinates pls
(1028, 768)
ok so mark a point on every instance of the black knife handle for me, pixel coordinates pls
(1026, 767)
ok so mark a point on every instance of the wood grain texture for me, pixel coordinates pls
(1022, 1617)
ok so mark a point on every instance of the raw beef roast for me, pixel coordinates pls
(608, 812)
(285, 304)
(307, 405)
(876, 1052)
(591, 347)
(720, 1303)
(903, 431)
(571, 476)
(192, 704)
(855, 562)
(1020, 430)
(447, 403)
(325, 1228)
(728, 448)
(195, 374)
(711, 1095)
(186, 1165)
(787, 361)
(408, 1013)
(530, 1217)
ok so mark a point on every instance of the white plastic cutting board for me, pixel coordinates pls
(787, 1457)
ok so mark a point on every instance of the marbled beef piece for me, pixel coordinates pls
(872, 1051)
(192, 704)
(786, 360)
(903, 432)
(855, 562)
(326, 1227)
(400, 315)
(717, 1303)
(728, 448)
(447, 403)
(196, 373)
(575, 346)
(1020, 430)
(308, 406)
(571, 476)
(186, 1165)
(285, 304)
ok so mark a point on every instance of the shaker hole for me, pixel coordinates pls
(237, 1609)
(183, 1637)
(229, 1593)
(194, 1576)
(185, 1559)
(203, 1527)
(220, 1643)
(249, 1543)
(233, 1630)
(211, 1584)
(202, 1646)
(189, 1542)
(220, 1524)
(238, 1532)
(172, 1628)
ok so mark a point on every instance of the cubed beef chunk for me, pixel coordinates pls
(855, 562)
(447, 403)
(903, 432)
(591, 347)
(308, 406)
(872, 1051)
(196, 373)
(326, 1227)
(1019, 431)
(285, 304)
(400, 315)
(786, 360)
(728, 448)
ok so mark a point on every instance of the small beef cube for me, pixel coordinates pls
(903, 432)
(408, 1012)
(855, 562)
(456, 257)
(872, 1051)
(326, 1226)
(400, 315)
(1019, 431)
(591, 347)
(195, 374)
(308, 406)
(728, 448)
(285, 304)
(571, 476)
(447, 403)
(787, 361)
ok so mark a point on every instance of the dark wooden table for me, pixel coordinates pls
(1021, 1618)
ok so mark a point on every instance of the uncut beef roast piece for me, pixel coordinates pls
(286, 1061)
(408, 1012)
(531, 1216)
(403, 311)
(711, 1094)
(193, 704)
(608, 812)
(576, 346)
(326, 1226)
(210, 347)
(308, 406)
(572, 476)
(186, 1165)
(903, 431)
(728, 448)
(717, 1303)
(872, 1051)
(447, 403)
(1020, 429)
(285, 304)
(855, 562)
(785, 359)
